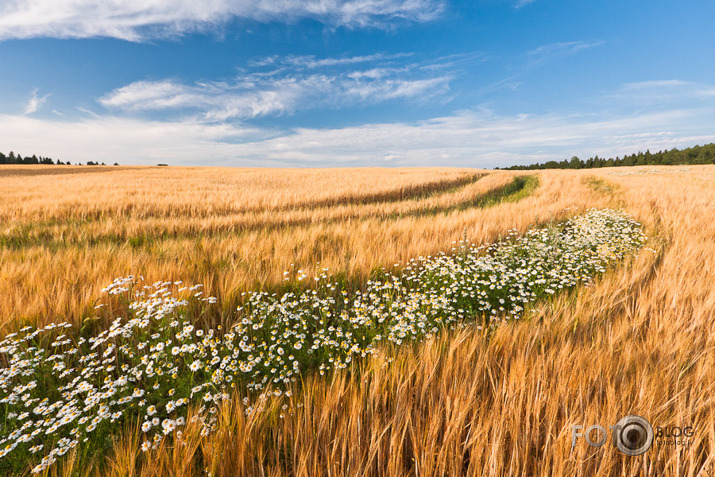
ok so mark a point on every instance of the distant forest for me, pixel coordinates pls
(692, 155)
(13, 158)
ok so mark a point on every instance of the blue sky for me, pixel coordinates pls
(479, 83)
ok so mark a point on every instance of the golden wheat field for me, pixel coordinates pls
(639, 340)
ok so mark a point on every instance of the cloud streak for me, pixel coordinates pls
(35, 102)
(563, 48)
(538, 58)
(664, 94)
(136, 20)
(522, 3)
(311, 62)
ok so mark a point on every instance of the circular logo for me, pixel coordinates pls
(634, 435)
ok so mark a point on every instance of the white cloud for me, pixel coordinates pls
(523, 3)
(654, 84)
(89, 112)
(564, 48)
(311, 62)
(283, 90)
(671, 87)
(137, 20)
(470, 138)
(35, 102)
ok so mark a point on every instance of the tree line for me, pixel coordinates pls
(13, 158)
(692, 155)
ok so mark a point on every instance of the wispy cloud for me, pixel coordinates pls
(523, 3)
(664, 93)
(35, 102)
(89, 112)
(312, 62)
(538, 58)
(653, 84)
(293, 83)
(563, 48)
(141, 20)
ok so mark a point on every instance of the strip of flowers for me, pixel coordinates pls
(60, 390)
